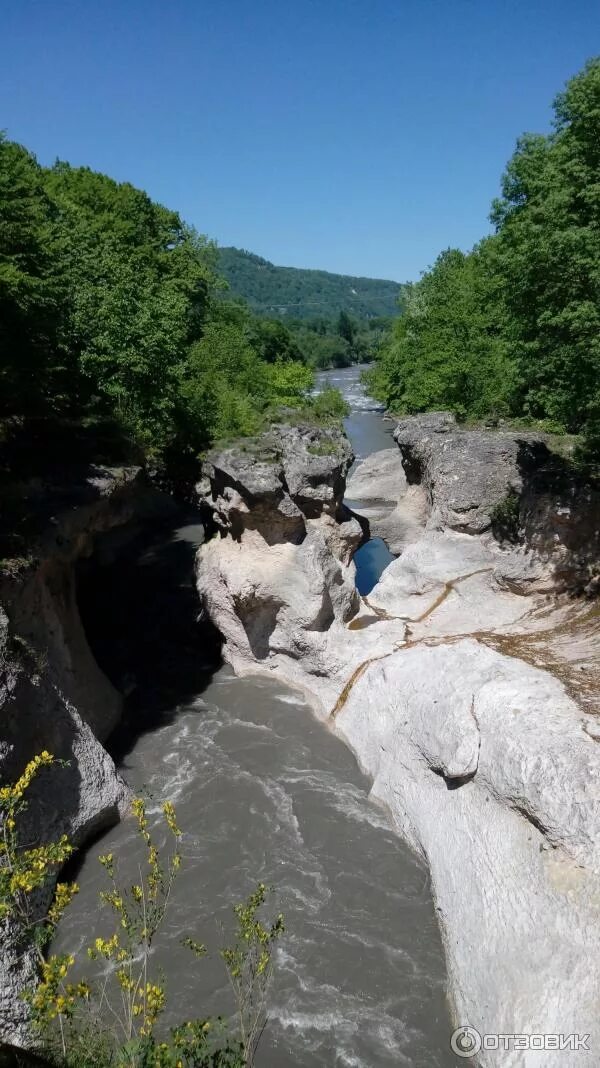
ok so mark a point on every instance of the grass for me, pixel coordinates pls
(326, 447)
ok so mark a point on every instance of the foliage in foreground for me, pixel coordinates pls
(513, 327)
(115, 1022)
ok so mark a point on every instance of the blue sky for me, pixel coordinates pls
(360, 136)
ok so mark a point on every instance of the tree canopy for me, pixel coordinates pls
(31, 287)
(297, 293)
(111, 309)
(513, 327)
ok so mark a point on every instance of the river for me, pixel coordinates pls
(264, 792)
(369, 432)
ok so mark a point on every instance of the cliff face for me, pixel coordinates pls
(277, 578)
(487, 762)
(53, 695)
(465, 474)
(509, 482)
(492, 772)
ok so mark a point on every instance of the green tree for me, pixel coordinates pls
(139, 283)
(113, 327)
(324, 350)
(548, 225)
(514, 326)
(446, 350)
(273, 341)
(346, 328)
(330, 406)
(31, 293)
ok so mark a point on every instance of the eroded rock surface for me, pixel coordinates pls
(488, 764)
(508, 482)
(53, 695)
(559, 534)
(396, 512)
(487, 767)
(466, 474)
(278, 579)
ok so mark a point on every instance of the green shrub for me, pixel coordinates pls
(505, 518)
(330, 405)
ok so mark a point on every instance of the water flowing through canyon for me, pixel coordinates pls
(369, 432)
(264, 792)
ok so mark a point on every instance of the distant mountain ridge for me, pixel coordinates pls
(297, 293)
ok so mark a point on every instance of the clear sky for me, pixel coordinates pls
(359, 136)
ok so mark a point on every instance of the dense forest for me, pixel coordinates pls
(291, 292)
(512, 328)
(113, 325)
(339, 342)
(335, 319)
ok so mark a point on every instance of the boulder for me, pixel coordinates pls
(282, 591)
(275, 482)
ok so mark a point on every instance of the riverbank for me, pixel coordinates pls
(478, 755)
(267, 793)
(264, 792)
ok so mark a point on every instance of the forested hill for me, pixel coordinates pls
(305, 294)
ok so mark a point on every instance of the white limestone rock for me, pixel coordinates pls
(486, 768)
(411, 585)
(466, 474)
(377, 490)
(284, 598)
(487, 765)
(285, 608)
(377, 480)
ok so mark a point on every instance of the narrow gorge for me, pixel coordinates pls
(464, 682)
(402, 739)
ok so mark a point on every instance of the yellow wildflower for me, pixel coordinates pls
(169, 814)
